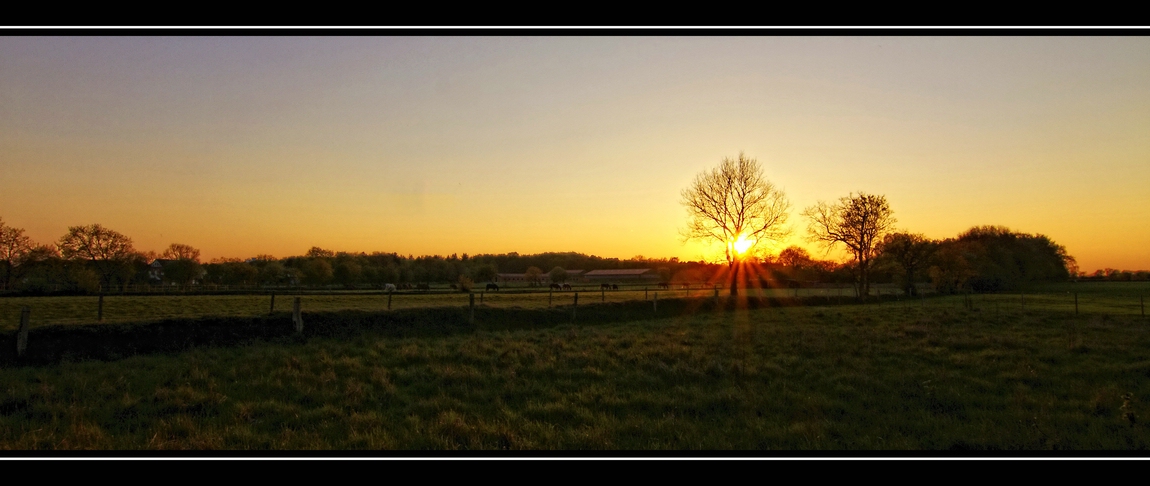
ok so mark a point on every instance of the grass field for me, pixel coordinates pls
(884, 377)
(1117, 298)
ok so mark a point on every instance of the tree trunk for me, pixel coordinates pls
(734, 278)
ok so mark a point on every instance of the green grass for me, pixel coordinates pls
(885, 377)
(1094, 297)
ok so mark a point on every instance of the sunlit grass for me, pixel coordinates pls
(811, 378)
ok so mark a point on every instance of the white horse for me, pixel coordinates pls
(389, 288)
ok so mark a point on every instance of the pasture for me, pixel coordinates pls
(1117, 298)
(939, 374)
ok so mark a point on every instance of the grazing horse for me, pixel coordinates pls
(492, 286)
(566, 286)
(665, 286)
(614, 287)
(605, 286)
(556, 286)
(422, 286)
(389, 288)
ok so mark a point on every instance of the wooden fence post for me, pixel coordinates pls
(1076, 303)
(644, 293)
(389, 300)
(100, 308)
(575, 306)
(549, 292)
(1022, 296)
(471, 307)
(273, 307)
(656, 302)
(22, 334)
(296, 316)
(480, 297)
(602, 294)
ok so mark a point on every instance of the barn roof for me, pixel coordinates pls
(621, 272)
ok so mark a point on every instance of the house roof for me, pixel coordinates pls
(620, 272)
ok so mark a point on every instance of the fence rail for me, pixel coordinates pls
(147, 307)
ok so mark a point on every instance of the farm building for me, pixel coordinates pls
(632, 274)
(572, 276)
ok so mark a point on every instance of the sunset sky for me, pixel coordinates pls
(436, 145)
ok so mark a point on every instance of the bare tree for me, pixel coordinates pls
(185, 266)
(736, 206)
(14, 247)
(178, 251)
(858, 222)
(109, 251)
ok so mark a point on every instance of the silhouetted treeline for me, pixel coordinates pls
(982, 259)
(321, 267)
(90, 258)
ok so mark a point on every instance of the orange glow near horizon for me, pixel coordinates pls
(427, 145)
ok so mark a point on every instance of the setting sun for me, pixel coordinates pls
(742, 244)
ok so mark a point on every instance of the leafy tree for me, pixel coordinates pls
(485, 272)
(43, 267)
(109, 252)
(910, 254)
(465, 283)
(859, 222)
(348, 273)
(1001, 259)
(736, 206)
(557, 275)
(272, 273)
(317, 272)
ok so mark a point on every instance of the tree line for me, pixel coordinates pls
(734, 205)
(91, 258)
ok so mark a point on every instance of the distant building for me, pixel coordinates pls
(511, 277)
(545, 279)
(156, 269)
(632, 274)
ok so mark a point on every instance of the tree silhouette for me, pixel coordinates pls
(14, 247)
(858, 222)
(110, 252)
(736, 206)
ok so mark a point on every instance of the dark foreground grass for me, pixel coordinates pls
(796, 378)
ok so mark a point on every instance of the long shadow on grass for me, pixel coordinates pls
(57, 343)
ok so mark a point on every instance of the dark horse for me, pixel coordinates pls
(566, 286)
(492, 286)
(665, 286)
(614, 287)
(605, 287)
(422, 286)
(556, 286)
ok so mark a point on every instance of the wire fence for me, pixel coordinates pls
(1086, 298)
